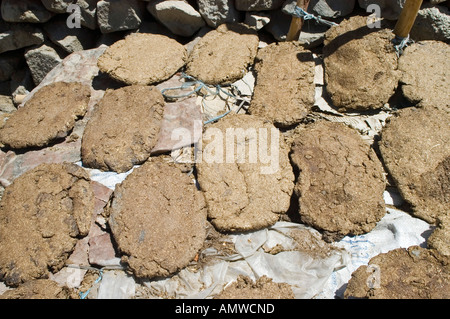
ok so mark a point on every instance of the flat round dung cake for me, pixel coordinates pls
(223, 55)
(360, 65)
(425, 77)
(157, 218)
(47, 117)
(440, 238)
(245, 173)
(123, 128)
(38, 289)
(412, 273)
(341, 183)
(284, 91)
(43, 213)
(143, 59)
(415, 147)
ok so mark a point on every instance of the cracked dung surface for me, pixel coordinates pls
(158, 219)
(425, 75)
(239, 195)
(110, 142)
(42, 215)
(412, 273)
(48, 116)
(223, 55)
(415, 147)
(440, 238)
(341, 182)
(263, 288)
(38, 289)
(360, 65)
(284, 91)
(143, 59)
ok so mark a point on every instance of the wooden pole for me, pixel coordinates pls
(297, 23)
(407, 17)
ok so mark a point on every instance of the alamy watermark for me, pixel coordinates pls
(374, 279)
(233, 145)
(374, 20)
(74, 19)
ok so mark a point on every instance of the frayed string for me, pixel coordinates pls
(300, 13)
(198, 86)
(401, 43)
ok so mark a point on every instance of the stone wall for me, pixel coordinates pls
(35, 35)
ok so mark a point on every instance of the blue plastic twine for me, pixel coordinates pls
(300, 13)
(199, 85)
(83, 295)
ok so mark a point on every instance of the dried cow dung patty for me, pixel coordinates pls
(143, 59)
(43, 213)
(223, 55)
(245, 173)
(48, 116)
(341, 182)
(123, 129)
(412, 273)
(440, 238)
(264, 288)
(284, 91)
(415, 147)
(38, 289)
(425, 77)
(360, 65)
(158, 219)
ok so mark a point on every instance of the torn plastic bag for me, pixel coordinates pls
(255, 257)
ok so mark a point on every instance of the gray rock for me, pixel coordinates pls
(390, 9)
(41, 60)
(178, 16)
(432, 23)
(119, 15)
(217, 12)
(257, 19)
(88, 9)
(21, 82)
(32, 11)
(6, 104)
(70, 40)
(258, 5)
(324, 8)
(16, 36)
(57, 6)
